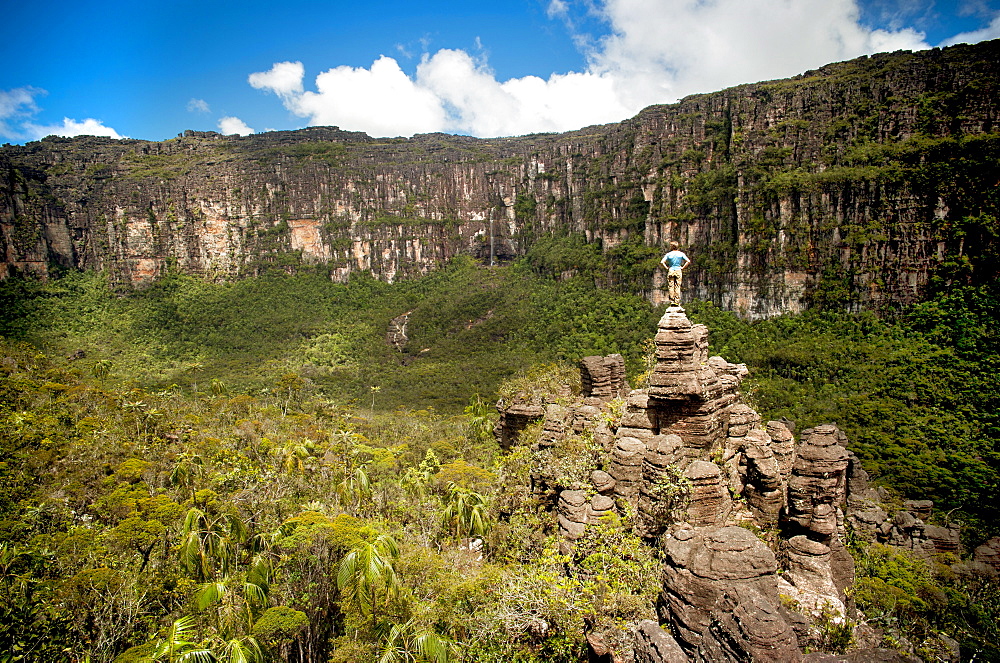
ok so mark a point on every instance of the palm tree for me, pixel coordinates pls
(481, 419)
(367, 571)
(177, 647)
(209, 546)
(238, 650)
(465, 510)
(406, 644)
(355, 487)
(187, 472)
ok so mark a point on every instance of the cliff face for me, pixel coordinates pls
(852, 183)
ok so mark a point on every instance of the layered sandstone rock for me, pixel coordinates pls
(655, 645)
(709, 503)
(514, 419)
(678, 451)
(808, 577)
(662, 490)
(573, 509)
(818, 484)
(603, 378)
(626, 468)
(230, 205)
(988, 555)
(703, 566)
(748, 627)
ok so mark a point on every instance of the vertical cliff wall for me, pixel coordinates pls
(852, 184)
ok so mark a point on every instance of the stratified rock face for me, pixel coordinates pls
(654, 645)
(808, 576)
(694, 171)
(603, 378)
(661, 492)
(988, 555)
(748, 628)
(818, 485)
(765, 484)
(395, 335)
(709, 501)
(573, 510)
(514, 419)
(703, 566)
(681, 357)
(626, 468)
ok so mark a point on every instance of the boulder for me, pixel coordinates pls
(700, 567)
(603, 482)
(747, 626)
(600, 505)
(652, 644)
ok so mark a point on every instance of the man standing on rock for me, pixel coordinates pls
(674, 262)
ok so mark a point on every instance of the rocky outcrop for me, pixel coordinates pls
(674, 459)
(748, 628)
(514, 419)
(707, 570)
(987, 555)
(626, 468)
(395, 334)
(603, 378)
(573, 510)
(763, 184)
(709, 501)
(817, 487)
(809, 578)
(654, 645)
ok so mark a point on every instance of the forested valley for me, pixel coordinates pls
(249, 471)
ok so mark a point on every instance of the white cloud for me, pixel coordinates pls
(70, 128)
(557, 8)
(284, 79)
(198, 106)
(655, 51)
(234, 125)
(381, 100)
(706, 45)
(18, 107)
(992, 31)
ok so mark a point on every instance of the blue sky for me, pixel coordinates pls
(395, 68)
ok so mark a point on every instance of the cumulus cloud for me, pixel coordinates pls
(198, 106)
(284, 79)
(70, 128)
(18, 107)
(653, 51)
(234, 125)
(662, 50)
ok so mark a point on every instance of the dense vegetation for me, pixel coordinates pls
(248, 467)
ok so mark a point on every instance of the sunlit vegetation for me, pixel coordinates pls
(248, 472)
